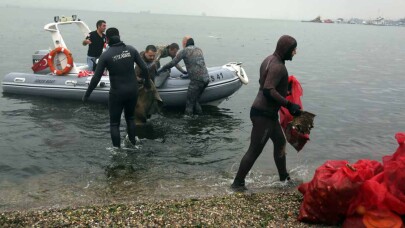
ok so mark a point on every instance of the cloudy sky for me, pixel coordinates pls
(273, 9)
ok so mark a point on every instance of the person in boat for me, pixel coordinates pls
(119, 60)
(197, 71)
(149, 100)
(264, 111)
(148, 56)
(96, 41)
(168, 51)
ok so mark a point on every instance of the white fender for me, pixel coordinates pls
(240, 72)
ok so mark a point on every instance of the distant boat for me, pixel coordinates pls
(328, 21)
(377, 21)
(316, 20)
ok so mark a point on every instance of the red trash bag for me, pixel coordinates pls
(328, 195)
(400, 152)
(295, 138)
(371, 197)
(394, 177)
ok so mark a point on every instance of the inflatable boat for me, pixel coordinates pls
(56, 75)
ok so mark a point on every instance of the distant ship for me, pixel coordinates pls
(316, 20)
(377, 21)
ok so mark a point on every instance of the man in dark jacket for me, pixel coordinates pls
(197, 71)
(264, 111)
(119, 60)
(148, 56)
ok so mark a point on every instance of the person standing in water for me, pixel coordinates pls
(264, 111)
(197, 71)
(119, 60)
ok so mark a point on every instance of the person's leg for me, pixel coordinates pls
(279, 143)
(197, 107)
(90, 63)
(115, 107)
(192, 94)
(129, 111)
(262, 128)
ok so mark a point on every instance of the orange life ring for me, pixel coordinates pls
(69, 64)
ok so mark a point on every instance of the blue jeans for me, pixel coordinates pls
(90, 62)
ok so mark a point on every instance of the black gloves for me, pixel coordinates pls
(294, 109)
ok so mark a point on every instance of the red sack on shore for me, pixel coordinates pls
(295, 138)
(394, 177)
(328, 195)
(383, 194)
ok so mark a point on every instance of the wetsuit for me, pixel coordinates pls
(197, 71)
(95, 48)
(163, 52)
(119, 60)
(264, 111)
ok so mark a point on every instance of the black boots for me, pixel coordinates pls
(238, 185)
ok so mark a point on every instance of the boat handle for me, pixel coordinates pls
(19, 79)
(71, 82)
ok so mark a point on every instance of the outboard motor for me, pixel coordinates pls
(36, 57)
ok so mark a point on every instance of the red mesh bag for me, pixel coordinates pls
(328, 195)
(295, 138)
(394, 177)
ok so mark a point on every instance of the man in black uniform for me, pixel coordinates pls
(119, 60)
(95, 40)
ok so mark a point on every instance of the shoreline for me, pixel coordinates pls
(271, 209)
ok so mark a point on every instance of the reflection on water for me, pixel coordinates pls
(68, 150)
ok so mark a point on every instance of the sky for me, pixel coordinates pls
(272, 9)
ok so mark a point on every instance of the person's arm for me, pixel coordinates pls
(86, 40)
(181, 69)
(96, 78)
(158, 55)
(142, 65)
(175, 60)
(273, 78)
(138, 73)
(274, 75)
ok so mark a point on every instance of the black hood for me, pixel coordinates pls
(114, 40)
(285, 46)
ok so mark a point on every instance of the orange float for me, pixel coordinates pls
(69, 58)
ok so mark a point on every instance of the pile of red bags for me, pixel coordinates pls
(364, 194)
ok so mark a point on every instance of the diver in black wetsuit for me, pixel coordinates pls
(264, 111)
(119, 60)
